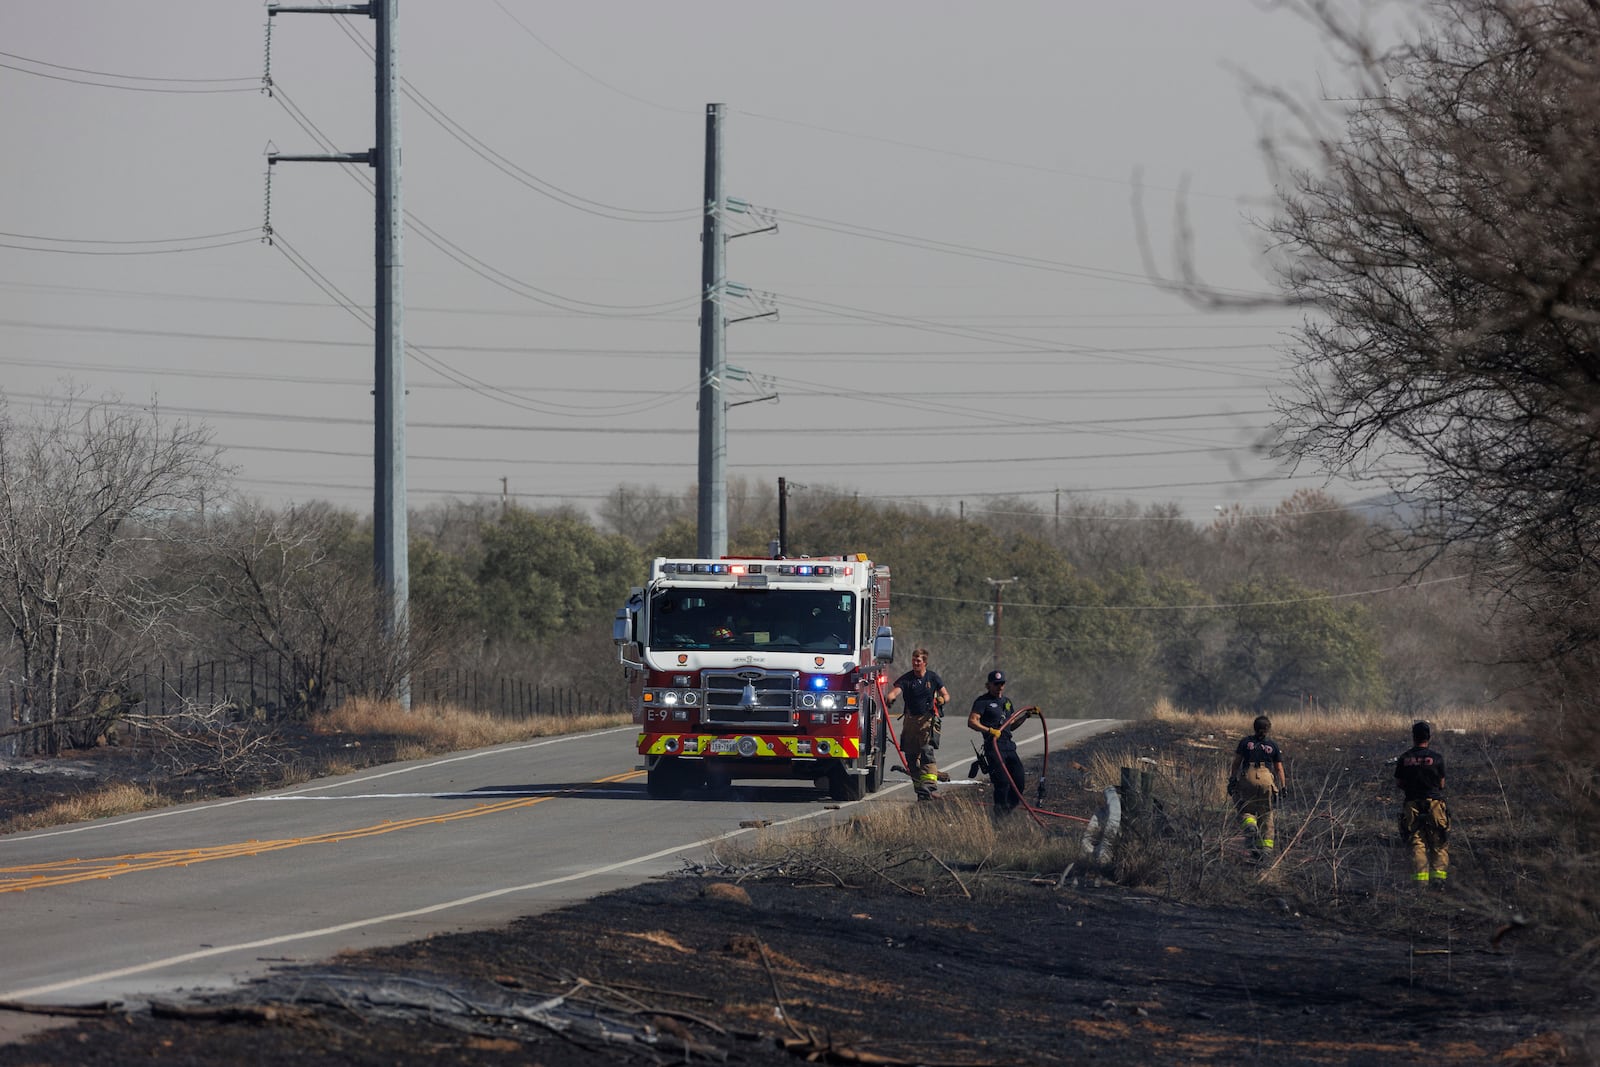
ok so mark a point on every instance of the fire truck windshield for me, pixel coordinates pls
(753, 620)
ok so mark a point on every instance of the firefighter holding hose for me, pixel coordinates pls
(926, 697)
(994, 717)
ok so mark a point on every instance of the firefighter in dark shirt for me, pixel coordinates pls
(1424, 820)
(925, 696)
(993, 716)
(1255, 795)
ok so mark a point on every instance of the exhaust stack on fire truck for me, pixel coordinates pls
(759, 668)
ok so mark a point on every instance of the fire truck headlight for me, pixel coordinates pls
(826, 701)
(807, 700)
(691, 699)
(669, 698)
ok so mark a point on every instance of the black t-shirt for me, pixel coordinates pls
(1420, 773)
(1258, 752)
(992, 712)
(919, 692)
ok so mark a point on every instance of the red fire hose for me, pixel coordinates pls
(1035, 811)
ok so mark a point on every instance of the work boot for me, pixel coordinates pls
(927, 794)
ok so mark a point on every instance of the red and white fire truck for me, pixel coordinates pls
(759, 668)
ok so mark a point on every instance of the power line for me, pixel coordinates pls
(446, 370)
(598, 81)
(991, 255)
(132, 251)
(124, 88)
(254, 230)
(488, 272)
(1315, 598)
(125, 77)
(511, 169)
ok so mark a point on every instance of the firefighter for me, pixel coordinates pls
(993, 716)
(1256, 794)
(1424, 819)
(926, 697)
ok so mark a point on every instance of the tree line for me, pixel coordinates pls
(120, 547)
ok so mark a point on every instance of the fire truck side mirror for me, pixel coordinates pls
(622, 627)
(883, 645)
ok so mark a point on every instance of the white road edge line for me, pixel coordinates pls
(268, 942)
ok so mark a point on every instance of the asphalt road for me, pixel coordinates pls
(210, 894)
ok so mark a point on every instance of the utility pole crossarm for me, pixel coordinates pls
(341, 9)
(369, 157)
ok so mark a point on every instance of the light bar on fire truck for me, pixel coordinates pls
(776, 570)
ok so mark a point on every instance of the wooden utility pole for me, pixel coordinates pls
(997, 613)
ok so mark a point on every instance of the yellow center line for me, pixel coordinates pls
(69, 871)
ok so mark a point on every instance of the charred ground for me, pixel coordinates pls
(768, 965)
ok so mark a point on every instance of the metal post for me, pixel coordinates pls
(712, 537)
(783, 518)
(389, 445)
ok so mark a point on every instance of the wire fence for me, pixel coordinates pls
(273, 690)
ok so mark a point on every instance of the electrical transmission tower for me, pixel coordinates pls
(715, 373)
(389, 442)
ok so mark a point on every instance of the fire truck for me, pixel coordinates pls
(759, 668)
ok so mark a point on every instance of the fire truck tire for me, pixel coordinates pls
(719, 783)
(874, 775)
(874, 745)
(842, 785)
(664, 779)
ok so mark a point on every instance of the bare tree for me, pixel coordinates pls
(84, 488)
(277, 590)
(1449, 246)
(1446, 245)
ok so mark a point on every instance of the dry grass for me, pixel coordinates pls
(429, 730)
(119, 799)
(952, 848)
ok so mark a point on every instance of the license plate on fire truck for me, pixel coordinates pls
(725, 744)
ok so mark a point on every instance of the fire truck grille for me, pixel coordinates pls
(728, 698)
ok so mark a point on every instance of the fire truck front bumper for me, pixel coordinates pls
(749, 746)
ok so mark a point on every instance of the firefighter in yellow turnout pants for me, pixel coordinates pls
(1424, 819)
(1256, 794)
(925, 696)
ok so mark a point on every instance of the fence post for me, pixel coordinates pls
(1135, 790)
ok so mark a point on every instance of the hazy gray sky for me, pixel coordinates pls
(963, 308)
